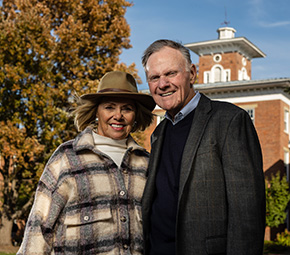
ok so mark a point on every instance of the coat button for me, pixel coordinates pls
(122, 193)
(123, 219)
(125, 171)
(125, 246)
(86, 218)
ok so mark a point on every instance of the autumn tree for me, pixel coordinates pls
(49, 49)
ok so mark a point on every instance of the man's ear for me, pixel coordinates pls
(193, 74)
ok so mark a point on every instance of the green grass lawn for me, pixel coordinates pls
(3, 253)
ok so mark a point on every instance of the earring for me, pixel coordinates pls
(97, 119)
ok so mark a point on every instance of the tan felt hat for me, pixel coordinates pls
(120, 84)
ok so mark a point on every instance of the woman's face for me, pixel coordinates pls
(116, 117)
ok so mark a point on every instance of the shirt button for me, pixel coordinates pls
(123, 219)
(125, 246)
(122, 193)
(86, 218)
(125, 171)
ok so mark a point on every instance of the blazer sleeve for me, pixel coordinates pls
(245, 186)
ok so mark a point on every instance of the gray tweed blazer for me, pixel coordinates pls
(221, 203)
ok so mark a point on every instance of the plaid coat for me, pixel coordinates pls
(85, 204)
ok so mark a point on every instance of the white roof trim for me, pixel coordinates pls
(240, 44)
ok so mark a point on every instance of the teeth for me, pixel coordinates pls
(166, 94)
(116, 126)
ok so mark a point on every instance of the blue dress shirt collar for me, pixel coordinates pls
(191, 105)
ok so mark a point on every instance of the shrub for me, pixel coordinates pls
(284, 238)
(277, 199)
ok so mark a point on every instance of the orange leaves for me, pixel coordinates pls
(51, 49)
(20, 151)
(15, 142)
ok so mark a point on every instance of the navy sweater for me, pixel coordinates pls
(164, 208)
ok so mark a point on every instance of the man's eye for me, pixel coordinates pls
(172, 74)
(153, 78)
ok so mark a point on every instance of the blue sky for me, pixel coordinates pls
(266, 23)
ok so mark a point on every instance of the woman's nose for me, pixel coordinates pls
(118, 114)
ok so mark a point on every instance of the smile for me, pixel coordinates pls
(167, 94)
(117, 126)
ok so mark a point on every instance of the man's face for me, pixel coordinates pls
(169, 80)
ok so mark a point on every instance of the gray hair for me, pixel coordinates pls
(160, 44)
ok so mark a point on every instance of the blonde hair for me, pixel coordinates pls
(86, 111)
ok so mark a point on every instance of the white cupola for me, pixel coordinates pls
(226, 32)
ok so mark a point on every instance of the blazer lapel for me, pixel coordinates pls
(200, 120)
(156, 145)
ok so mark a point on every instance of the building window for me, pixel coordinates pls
(244, 61)
(251, 112)
(243, 75)
(217, 58)
(206, 77)
(286, 120)
(217, 74)
(227, 75)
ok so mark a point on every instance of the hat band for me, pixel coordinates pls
(113, 90)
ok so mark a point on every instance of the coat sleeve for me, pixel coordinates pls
(48, 203)
(245, 187)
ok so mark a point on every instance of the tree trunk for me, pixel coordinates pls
(5, 231)
(268, 234)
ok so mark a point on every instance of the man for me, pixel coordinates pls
(205, 190)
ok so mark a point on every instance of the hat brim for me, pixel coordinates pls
(146, 100)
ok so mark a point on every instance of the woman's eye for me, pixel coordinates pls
(128, 109)
(109, 107)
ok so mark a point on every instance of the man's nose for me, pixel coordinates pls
(163, 81)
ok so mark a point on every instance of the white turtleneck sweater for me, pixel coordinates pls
(115, 149)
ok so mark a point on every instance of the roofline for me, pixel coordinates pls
(192, 46)
(242, 85)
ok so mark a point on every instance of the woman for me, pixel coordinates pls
(88, 200)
